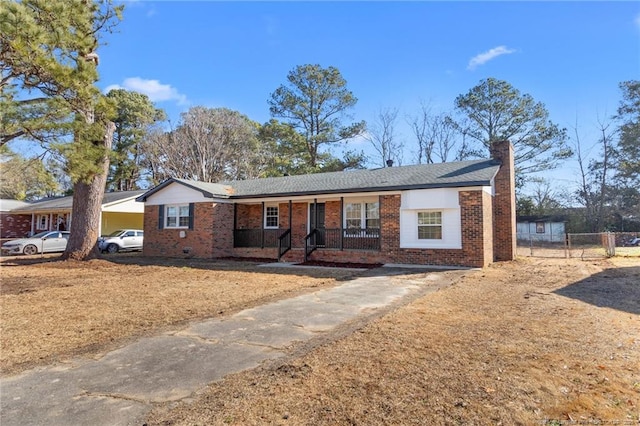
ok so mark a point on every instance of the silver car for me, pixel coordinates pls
(44, 242)
(122, 239)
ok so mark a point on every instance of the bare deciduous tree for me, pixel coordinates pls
(209, 145)
(383, 137)
(595, 179)
(420, 127)
(440, 137)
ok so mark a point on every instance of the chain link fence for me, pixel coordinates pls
(583, 246)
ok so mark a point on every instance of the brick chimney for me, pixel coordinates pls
(504, 203)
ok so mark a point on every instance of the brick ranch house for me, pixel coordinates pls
(449, 214)
(13, 225)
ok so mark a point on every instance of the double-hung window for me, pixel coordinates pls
(430, 225)
(177, 216)
(271, 217)
(362, 218)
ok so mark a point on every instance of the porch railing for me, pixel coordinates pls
(310, 243)
(256, 237)
(339, 239)
(342, 239)
(360, 239)
(284, 243)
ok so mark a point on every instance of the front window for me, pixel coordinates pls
(177, 216)
(539, 227)
(42, 221)
(353, 216)
(429, 225)
(362, 217)
(271, 217)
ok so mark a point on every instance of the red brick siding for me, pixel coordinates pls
(283, 216)
(211, 236)
(332, 215)
(256, 252)
(504, 204)
(222, 236)
(487, 216)
(476, 222)
(299, 229)
(249, 216)
(14, 225)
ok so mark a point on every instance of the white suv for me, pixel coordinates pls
(122, 239)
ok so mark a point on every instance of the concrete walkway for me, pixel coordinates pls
(122, 387)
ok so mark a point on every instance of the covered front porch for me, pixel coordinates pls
(272, 229)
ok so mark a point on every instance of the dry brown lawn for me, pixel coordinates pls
(52, 310)
(534, 341)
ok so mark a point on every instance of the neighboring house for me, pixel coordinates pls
(119, 210)
(453, 214)
(541, 228)
(13, 225)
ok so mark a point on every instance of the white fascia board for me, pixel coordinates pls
(310, 198)
(176, 193)
(127, 205)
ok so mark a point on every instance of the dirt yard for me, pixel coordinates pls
(534, 341)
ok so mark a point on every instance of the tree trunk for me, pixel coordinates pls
(87, 209)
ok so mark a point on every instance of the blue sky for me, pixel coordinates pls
(568, 55)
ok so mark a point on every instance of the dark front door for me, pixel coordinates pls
(316, 221)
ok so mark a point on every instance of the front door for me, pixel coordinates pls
(316, 221)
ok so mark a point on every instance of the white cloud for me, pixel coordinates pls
(490, 54)
(156, 91)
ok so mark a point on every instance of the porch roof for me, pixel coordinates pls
(441, 175)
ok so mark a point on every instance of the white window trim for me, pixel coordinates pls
(46, 222)
(166, 216)
(451, 230)
(277, 207)
(363, 218)
(430, 225)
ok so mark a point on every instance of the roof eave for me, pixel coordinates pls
(368, 189)
(142, 198)
(122, 200)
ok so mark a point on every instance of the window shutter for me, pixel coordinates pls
(191, 210)
(161, 216)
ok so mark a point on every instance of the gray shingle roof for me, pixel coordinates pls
(441, 175)
(65, 203)
(8, 205)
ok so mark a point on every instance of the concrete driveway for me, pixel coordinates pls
(122, 386)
